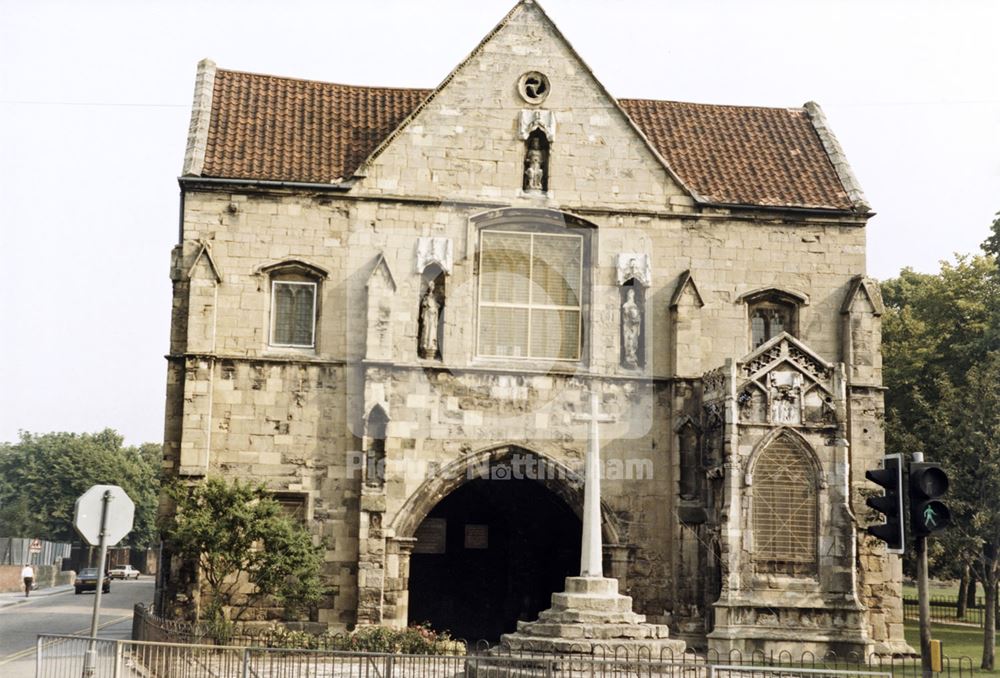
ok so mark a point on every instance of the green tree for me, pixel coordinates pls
(974, 462)
(992, 244)
(42, 475)
(941, 351)
(247, 550)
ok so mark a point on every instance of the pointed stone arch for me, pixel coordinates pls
(557, 477)
(796, 439)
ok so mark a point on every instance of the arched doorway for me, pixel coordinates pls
(491, 553)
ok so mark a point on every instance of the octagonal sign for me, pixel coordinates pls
(87, 515)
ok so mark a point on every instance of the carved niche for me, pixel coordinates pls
(537, 128)
(381, 289)
(783, 383)
(633, 277)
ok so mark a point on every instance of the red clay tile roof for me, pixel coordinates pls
(281, 129)
(741, 154)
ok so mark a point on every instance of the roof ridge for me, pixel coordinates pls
(394, 88)
(707, 105)
(322, 82)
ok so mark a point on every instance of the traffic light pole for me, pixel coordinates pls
(924, 595)
(925, 608)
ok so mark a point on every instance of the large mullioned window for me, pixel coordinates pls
(530, 287)
(784, 510)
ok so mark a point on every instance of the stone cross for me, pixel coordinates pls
(591, 560)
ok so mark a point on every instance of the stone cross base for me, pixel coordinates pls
(588, 615)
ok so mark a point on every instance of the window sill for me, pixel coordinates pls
(278, 351)
(530, 365)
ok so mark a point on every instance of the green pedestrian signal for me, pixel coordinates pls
(928, 514)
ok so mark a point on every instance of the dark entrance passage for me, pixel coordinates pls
(490, 553)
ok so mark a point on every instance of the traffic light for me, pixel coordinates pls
(928, 514)
(890, 477)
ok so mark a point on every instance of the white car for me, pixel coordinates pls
(123, 572)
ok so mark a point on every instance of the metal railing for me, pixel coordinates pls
(944, 609)
(63, 657)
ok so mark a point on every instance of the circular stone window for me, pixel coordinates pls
(534, 87)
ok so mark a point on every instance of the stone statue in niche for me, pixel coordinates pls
(785, 394)
(430, 316)
(534, 171)
(631, 330)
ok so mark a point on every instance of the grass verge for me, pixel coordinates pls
(958, 641)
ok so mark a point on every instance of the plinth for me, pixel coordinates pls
(590, 615)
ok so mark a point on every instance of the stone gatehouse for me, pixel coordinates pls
(391, 306)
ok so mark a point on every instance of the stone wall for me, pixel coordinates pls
(46, 576)
(297, 418)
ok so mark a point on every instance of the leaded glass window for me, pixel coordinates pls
(769, 319)
(530, 287)
(293, 313)
(784, 509)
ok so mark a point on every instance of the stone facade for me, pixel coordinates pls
(372, 434)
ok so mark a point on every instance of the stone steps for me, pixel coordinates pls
(620, 647)
(594, 631)
(591, 615)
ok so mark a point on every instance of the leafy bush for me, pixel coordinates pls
(418, 639)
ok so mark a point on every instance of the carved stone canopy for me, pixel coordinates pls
(538, 118)
(784, 383)
(632, 266)
(434, 251)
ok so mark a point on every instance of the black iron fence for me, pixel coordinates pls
(150, 628)
(66, 656)
(945, 610)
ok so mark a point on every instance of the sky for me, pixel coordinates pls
(95, 102)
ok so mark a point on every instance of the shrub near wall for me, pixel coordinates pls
(382, 639)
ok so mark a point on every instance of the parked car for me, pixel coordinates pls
(123, 572)
(86, 580)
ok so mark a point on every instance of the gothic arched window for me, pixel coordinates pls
(294, 303)
(771, 312)
(785, 511)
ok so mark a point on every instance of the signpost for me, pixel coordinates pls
(103, 516)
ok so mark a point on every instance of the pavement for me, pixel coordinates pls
(57, 611)
(17, 598)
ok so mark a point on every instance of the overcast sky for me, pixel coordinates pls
(95, 101)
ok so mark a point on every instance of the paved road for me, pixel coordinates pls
(65, 613)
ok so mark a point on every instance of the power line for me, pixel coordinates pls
(109, 104)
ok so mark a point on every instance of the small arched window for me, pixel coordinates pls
(378, 423)
(771, 312)
(294, 303)
(785, 509)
